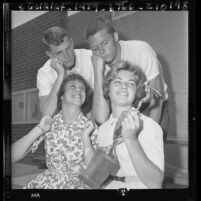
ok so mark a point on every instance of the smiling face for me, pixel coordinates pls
(105, 45)
(122, 89)
(74, 94)
(64, 52)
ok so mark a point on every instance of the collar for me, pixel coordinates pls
(81, 118)
(112, 120)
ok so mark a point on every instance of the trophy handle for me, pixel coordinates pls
(147, 97)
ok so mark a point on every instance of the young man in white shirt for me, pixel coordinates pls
(107, 50)
(63, 59)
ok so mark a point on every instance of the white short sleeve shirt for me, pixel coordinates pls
(47, 76)
(142, 54)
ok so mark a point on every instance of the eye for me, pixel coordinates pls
(105, 42)
(131, 84)
(68, 47)
(117, 82)
(58, 53)
(94, 49)
(72, 86)
(82, 88)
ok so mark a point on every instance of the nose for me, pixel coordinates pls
(66, 54)
(123, 85)
(77, 89)
(101, 50)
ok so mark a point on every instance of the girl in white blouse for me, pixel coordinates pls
(140, 154)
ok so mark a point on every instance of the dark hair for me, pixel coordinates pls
(97, 24)
(54, 35)
(86, 107)
(137, 73)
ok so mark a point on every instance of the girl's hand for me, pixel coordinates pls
(98, 63)
(56, 64)
(88, 130)
(131, 126)
(46, 123)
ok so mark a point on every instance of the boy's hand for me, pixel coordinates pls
(131, 126)
(46, 123)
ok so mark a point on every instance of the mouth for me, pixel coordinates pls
(106, 57)
(68, 60)
(122, 93)
(77, 96)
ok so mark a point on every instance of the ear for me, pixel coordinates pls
(116, 36)
(72, 43)
(48, 54)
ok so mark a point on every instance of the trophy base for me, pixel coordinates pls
(99, 169)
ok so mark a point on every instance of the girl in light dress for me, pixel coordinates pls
(65, 147)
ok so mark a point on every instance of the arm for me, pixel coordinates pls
(155, 106)
(100, 108)
(87, 145)
(48, 103)
(153, 72)
(146, 170)
(21, 147)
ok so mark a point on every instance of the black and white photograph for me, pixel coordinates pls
(99, 100)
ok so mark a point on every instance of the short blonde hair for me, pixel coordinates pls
(97, 24)
(55, 36)
(138, 75)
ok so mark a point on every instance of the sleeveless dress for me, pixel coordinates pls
(64, 155)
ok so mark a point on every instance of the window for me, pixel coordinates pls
(25, 107)
(18, 108)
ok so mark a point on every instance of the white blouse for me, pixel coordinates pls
(151, 140)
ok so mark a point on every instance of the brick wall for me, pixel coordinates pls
(28, 55)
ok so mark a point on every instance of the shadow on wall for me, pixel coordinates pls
(172, 105)
(172, 152)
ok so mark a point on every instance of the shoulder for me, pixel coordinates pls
(46, 72)
(151, 127)
(133, 43)
(83, 57)
(46, 67)
(149, 121)
(136, 44)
